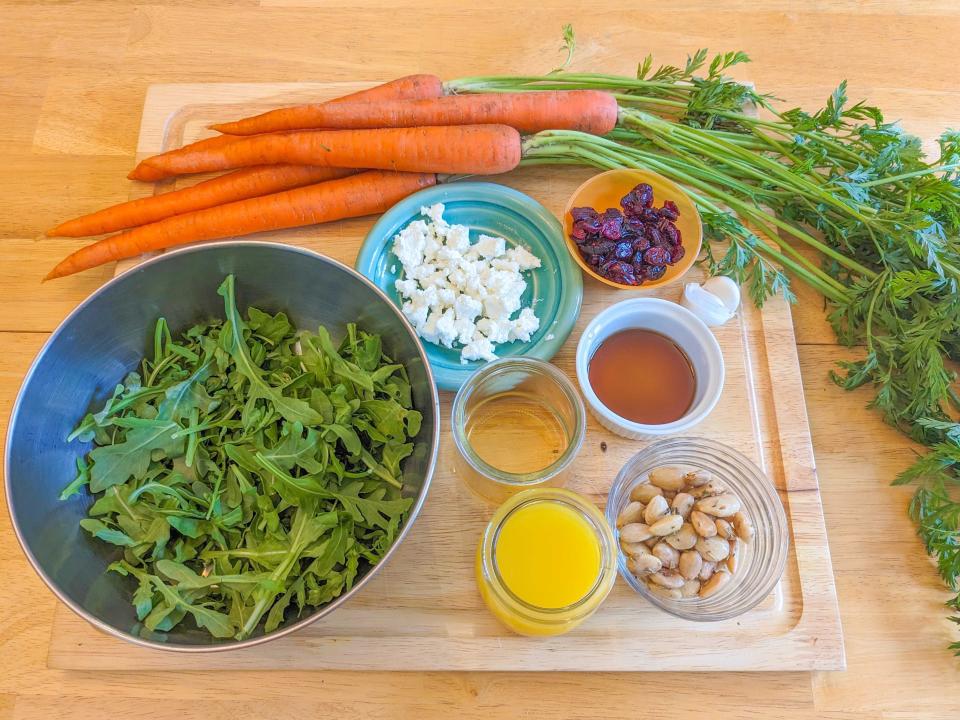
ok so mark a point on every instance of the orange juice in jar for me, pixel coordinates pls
(546, 561)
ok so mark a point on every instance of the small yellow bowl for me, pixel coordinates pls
(605, 190)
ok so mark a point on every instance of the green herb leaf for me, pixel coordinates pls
(100, 531)
(246, 482)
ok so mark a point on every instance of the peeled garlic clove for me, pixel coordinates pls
(726, 289)
(706, 306)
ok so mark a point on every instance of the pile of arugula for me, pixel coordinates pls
(248, 467)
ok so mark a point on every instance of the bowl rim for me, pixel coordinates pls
(633, 307)
(639, 173)
(571, 287)
(319, 612)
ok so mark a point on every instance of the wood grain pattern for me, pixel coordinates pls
(73, 77)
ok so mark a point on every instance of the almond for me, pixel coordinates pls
(667, 525)
(635, 533)
(632, 513)
(656, 509)
(719, 505)
(667, 478)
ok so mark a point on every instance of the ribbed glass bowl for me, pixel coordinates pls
(761, 562)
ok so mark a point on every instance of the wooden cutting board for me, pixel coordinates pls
(422, 610)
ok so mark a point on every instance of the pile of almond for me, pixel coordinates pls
(681, 533)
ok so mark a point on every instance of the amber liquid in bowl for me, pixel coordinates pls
(517, 432)
(643, 376)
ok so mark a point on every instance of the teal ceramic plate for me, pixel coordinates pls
(554, 290)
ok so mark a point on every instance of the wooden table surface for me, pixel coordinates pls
(72, 82)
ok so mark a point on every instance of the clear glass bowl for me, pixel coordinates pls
(761, 562)
(534, 420)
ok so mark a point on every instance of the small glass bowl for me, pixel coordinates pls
(520, 616)
(605, 190)
(526, 378)
(761, 562)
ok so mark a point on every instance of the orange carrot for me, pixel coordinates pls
(362, 194)
(411, 87)
(474, 149)
(238, 185)
(147, 173)
(590, 111)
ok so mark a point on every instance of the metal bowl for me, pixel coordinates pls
(105, 337)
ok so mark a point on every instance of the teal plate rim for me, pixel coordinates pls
(374, 261)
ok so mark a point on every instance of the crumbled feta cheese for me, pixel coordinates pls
(467, 307)
(458, 293)
(488, 246)
(428, 330)
(458, 237)
(524, 326)
(419, 270)
(502, 264)
(478, 349)
(446, 328)
(523, 257)
(406, 287)
(435, 214)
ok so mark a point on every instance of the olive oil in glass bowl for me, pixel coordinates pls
(517, 423)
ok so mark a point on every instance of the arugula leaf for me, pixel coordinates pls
(272, 328)
(115, 464)
(216, 622)
(252, 474)
(102, 532)
(79, 482)
(292, 409)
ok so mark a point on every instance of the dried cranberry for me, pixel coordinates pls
(654, 235)
(656, 255)
(637, 260)
(590, 227)
(635, 224)
(623, 251)
(650, 215)
(671, 233)
(597, 247)
(611, 223)
(578, 232)
(670, 210)
(619, 272)
(595, 260)
(586, 218)
(654, 272)
(584, 213)
(676, 253)
(640, 244)
(637, 199)
(605, 246)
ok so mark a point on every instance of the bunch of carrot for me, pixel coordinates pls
(356, 155)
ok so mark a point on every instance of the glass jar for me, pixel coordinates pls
(517, 423)
(584, 524)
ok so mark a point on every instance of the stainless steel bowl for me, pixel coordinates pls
(106, 336)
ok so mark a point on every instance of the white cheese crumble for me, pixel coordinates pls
(460, 294)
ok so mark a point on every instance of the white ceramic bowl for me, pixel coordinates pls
(678, 324)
